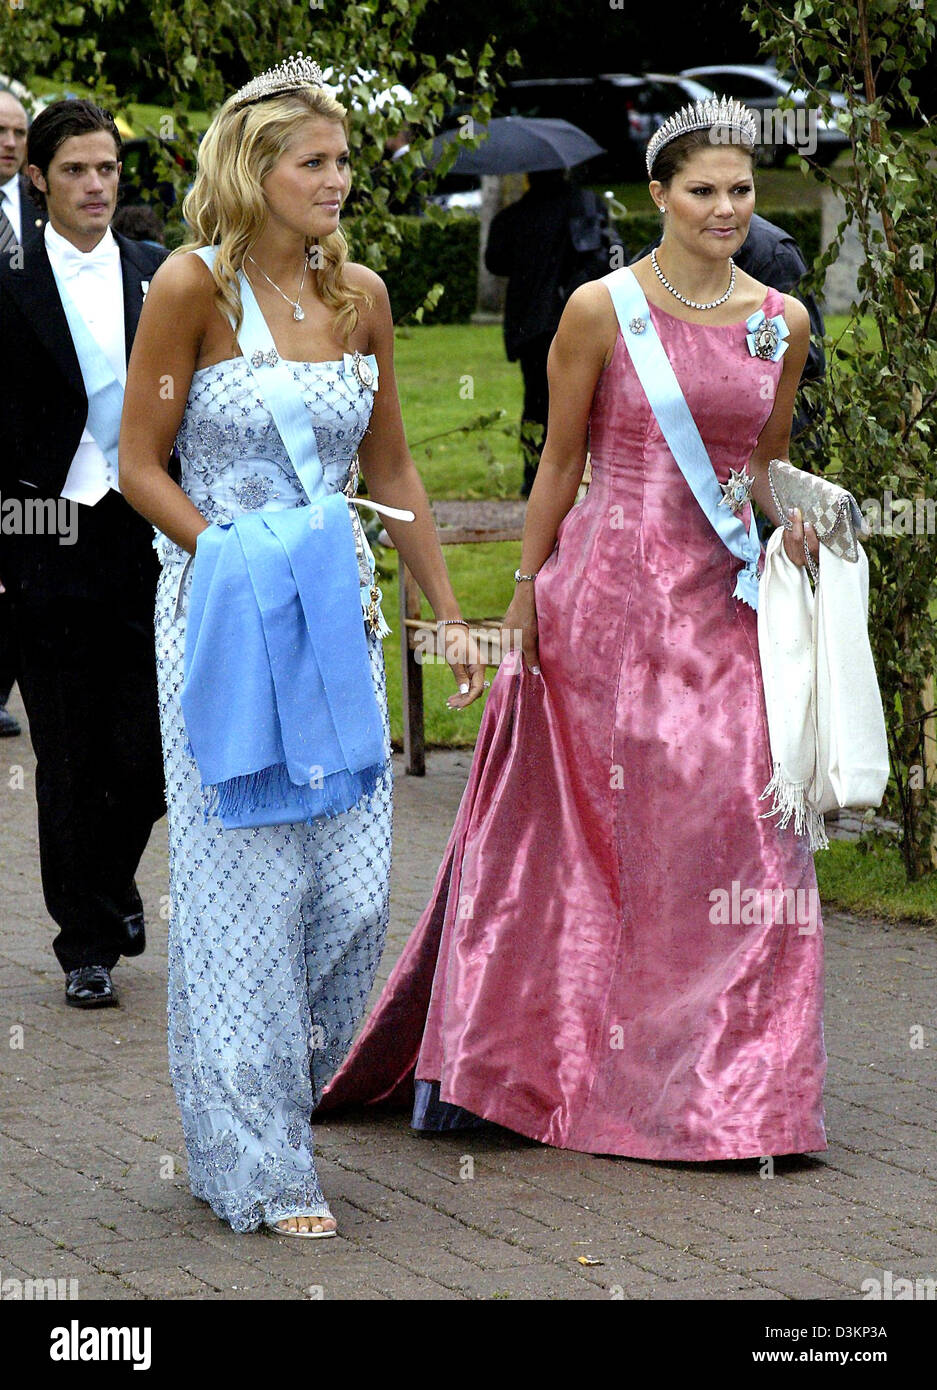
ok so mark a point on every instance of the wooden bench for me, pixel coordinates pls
(420, 641)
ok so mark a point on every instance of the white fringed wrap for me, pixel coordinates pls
(825, 719)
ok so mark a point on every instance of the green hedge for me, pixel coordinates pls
(432, 253)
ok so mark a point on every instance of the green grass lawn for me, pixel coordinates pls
(449, 375)
(432, 365)
(872, 881)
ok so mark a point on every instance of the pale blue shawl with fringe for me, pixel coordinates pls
(278, 699)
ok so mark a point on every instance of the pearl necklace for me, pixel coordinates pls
(298, 311)
(691, 303)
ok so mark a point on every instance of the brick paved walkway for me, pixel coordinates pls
(92, 1169)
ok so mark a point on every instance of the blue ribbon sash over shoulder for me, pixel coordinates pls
(679, 429)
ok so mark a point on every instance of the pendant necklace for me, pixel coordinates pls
(298, 310)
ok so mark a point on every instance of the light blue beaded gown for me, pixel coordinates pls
(275, 932)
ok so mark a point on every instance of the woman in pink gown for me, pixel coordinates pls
(593, 969)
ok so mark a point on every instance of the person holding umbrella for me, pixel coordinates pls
(553, 239)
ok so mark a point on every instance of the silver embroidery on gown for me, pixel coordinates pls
(276, 932)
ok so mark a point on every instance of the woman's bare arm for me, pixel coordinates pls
(392, 478)
(388, 465)
(163, 359)
(584, 342)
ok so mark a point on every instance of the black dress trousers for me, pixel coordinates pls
(87, 674)
(536, 408)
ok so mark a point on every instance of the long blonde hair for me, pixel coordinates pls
(226, 207)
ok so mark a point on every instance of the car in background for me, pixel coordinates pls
(760, 87)
(619, 110)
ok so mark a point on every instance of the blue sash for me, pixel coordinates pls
(678, 427)
(105, 391)
(284, 400)
(277, 386)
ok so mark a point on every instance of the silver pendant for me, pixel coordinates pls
(362, 370)
(767, 338)
(298, 312)
(737, 490)
(637, 325)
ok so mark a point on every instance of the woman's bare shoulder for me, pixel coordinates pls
(591, 303)
(795, 313)
(184, 279)
(362, 277)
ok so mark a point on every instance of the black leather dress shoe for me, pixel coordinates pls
(134, 935)
(9, 728)
(90, 987)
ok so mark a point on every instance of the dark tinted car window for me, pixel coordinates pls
(740, 86)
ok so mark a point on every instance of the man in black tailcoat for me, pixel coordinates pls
(21, 224)
(77, 560)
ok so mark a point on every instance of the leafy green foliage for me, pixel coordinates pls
(191, 50)
(431, 252)
(881, 389)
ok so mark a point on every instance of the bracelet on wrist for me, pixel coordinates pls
(448, 622)
(523, 578)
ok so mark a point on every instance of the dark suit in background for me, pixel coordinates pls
(32, 221)
(83, 616)
(32, 218)
(553, 239)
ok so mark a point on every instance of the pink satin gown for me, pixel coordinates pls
(600, 966)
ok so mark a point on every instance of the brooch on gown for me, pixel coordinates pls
(737, 490)
(765, 336)
(362, 370)
(258, 358)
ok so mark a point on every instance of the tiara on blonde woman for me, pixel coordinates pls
(289, 76)
(714, 111)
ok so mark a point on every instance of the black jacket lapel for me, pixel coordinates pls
(32, 220)
(134, 272)
(34, 288)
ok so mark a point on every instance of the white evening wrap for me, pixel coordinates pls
(825, 719)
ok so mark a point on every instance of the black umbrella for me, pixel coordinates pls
(520, 144)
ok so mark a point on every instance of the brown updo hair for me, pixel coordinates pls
(677, 153)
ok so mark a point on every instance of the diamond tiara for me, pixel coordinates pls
(701, 115)
(288, 76)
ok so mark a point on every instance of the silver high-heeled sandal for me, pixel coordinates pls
(308, 1235)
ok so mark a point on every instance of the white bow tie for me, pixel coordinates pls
(72, 261)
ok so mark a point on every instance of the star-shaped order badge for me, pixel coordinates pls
(736, 490)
